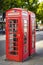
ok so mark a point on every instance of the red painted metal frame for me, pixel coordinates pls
(20, 35)
(31, 50)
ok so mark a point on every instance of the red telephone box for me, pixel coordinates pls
(32, 35)
(17, 28)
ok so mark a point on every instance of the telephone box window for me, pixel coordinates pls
(25, 37)
(14, 53)
(13, 36)
(25, 31)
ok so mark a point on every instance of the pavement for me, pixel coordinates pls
(36, 59)
(2, 37)
(2, 44)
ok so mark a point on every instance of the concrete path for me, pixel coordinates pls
(2, 37)
(37, 59)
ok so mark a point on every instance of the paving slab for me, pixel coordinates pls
(33, 60)
(36, 59)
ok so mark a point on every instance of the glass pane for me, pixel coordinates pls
(25, 29)
(33, 42)
(25, 49)
(25, 21)
(25, 24)
(25, 37)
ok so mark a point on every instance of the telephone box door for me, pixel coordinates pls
(12, 38)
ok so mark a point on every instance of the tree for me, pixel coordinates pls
(1, 5)
(31, 5)
(40, 12)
